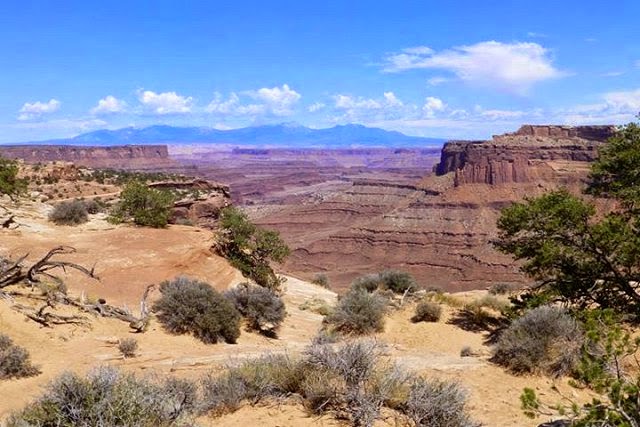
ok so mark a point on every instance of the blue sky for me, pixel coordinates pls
(458, 69)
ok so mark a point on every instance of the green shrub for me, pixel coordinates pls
(321, 279)
(316, 305)
(143, 205)
(358, 312)
(108, 397)
(434, 403)
(10, 184)
(253, 380)
(353, 380)
(427, 312)
(500, 289)
(369, 283)
(93, 206)
(545, 340)
(249, 248)
(14, 360)
(69, 213)
(398, 282)
(263, 309)
(189, 306)
(128, 347)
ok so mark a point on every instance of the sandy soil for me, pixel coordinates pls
(129, 258)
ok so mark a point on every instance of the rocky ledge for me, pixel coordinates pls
(528, 155)
(201, 201)
(138, 157)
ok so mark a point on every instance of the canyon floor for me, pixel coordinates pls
(129, 258)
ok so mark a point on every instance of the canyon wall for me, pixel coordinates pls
(440, 229)
(527, 155)
(120, 157)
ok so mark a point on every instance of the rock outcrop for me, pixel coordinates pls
(528, 155)
(201, 201)
(440, 230)
(139, 157)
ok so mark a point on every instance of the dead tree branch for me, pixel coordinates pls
(12, 273)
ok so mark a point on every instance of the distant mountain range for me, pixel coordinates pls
(281, 135)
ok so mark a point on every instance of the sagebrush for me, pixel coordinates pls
(262, 308)
(358, 312)
(69, 213)
(189, 306)
(546, 340)
(15, 361)
(109, 397)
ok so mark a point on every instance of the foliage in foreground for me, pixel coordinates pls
(395, 281)
(576, 255)
(10, 184)
(351, 380)
(262, 308)
(69, 213)
(14, 360)
(250, 248)
(605, 367)
(359, 313)
(191, 307)
(143, 205)
(108, 397)
(545, 340)
(427, 311)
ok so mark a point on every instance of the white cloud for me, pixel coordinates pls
(222, 106)
(432, 105)
(278, 100)
(612, 74)
(316, 106)
(513, 67)
(418, 50)
(533, 34)
(165, 102)
(36, 109)
(347, 102)
(358, 109)
(615, 108)
(391, 100)
(435, 81)
(108, 105)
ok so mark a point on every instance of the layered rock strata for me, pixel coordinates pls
(138, 157)
(440, 229)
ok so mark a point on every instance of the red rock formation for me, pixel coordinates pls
(441, 234)
(201, 202)
(523, 156)
(120, 157)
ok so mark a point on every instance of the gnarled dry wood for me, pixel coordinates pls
(48, 319)
(13, 273)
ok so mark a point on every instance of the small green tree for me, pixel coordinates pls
(616, 173)
(10, 184)
(572, 252)
(143, 205)
(249, 248)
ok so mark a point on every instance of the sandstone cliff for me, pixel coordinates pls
(201, 201)
(440, 229)
(120, 157)
(528, 155)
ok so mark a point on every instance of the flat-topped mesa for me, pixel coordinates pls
(120, 157)
(530, 154)
(592, 133)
